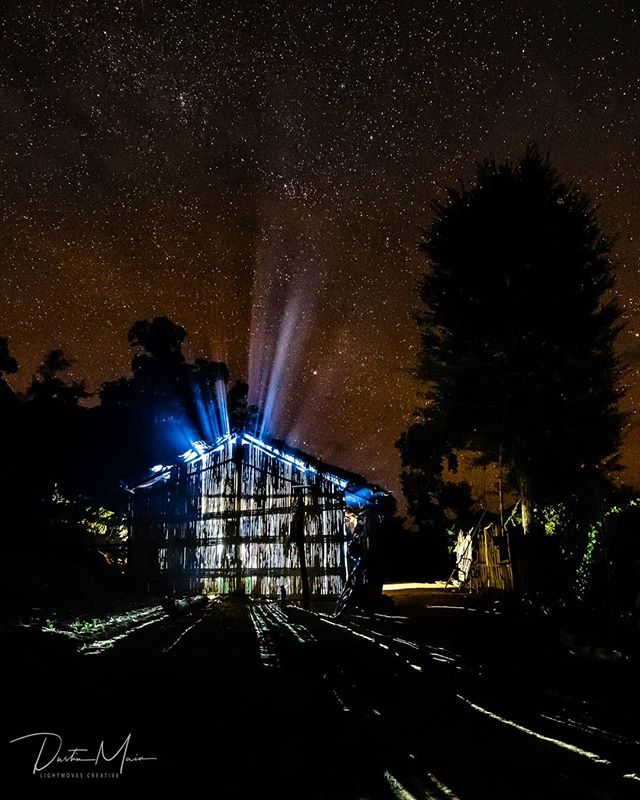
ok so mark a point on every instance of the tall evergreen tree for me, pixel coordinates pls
(517, 330)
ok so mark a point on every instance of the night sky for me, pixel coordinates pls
(260, 172)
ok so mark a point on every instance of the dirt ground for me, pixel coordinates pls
(432, 698)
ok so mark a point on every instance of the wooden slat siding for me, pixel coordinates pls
(488, 570)
(463, 552)
(189, 536)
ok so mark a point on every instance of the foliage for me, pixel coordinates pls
(42, 429)
(517, 330)
(159, 411)
(610, 562)
(51, 383)
(242, 414)
(106, 527)
(8, 364)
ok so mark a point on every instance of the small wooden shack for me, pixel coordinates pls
(483, 559)
(222, 520)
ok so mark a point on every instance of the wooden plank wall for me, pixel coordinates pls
(490, 564)
(222, 523)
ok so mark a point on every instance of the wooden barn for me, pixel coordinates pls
(242, 514)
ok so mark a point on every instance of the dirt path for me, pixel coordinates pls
(260, 703)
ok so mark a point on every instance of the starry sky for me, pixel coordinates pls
(260, 173)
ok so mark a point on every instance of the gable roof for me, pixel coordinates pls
(358, 491)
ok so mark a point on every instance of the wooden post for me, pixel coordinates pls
(297, 534)
(500, 487)
(131, 556)
(238, 456)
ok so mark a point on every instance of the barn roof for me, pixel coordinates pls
(358, 491)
